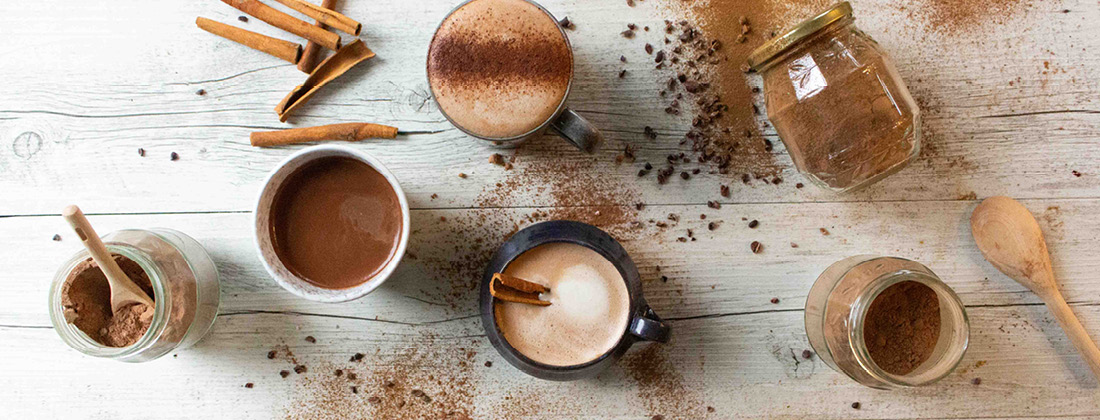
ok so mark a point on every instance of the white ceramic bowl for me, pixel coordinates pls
(262, 212)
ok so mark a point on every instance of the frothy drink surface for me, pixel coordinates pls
(589, 308)
(336, 222)
(499, 68)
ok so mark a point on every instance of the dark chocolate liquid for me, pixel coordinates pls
(336, 222)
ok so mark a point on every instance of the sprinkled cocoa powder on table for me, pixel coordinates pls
(661, 386)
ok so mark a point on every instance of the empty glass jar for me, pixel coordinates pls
(837, 102)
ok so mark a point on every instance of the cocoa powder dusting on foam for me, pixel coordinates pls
(472, 60)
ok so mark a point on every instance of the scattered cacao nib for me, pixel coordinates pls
(681, 239)
(710, 409)
(794, 245)
(488, 363)
(702, 217)
(745, 178)
(271, 354)
(627, 33)
(685, 175)
(200, 92)
(174, 156)
(496, 159)
(284, 373)
(976, 381)
(756, 247)
(300, 369)
(352, 376)
(664, 279)
(798, 185)
(622, 58)
(356, 357)
(632, 26)
(354, 390)
(712, 225)
(648, 48)
(724, 190)
(639, 206)
(660, 57)
(642, 172)
(768, 146)
(56, 237)
(462, 175)
(753, 224)
(1076, 174)
(242, 18)
(824, 232)
(141, 152)
(310, 339)
(249, 385)
(714, 205)
(630, 3)
(807, 354)
(855, 405)
(374, 400)
(339, 372)
(421, 395)
(622, 73)
(566, 23)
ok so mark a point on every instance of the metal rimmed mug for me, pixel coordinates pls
(643, 325)
(564, 121)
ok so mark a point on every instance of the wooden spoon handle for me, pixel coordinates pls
(1076, 332)
(120, 283)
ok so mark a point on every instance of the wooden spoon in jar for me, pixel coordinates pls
(124, 291)
(1010, 239)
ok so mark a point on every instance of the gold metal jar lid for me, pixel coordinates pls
(774, 47)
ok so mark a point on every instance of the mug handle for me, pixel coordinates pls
(577, 130)
(650, 327)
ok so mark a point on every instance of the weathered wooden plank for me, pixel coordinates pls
(67, 130)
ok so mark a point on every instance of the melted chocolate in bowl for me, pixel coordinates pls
(499, 68)
(336, 222)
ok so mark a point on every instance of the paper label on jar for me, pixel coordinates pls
(806, 77)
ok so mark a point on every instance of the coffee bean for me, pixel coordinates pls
(271, 354)
(242, 18)
(310, 339)
(855, 405)
(684, 175)
(648, 48)
(798, 185)
(659, 57)
(249, 385)
(488, 364)
(756, 247)
(753, 224)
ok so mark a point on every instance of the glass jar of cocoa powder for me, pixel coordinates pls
(886, 322)
(837, 102)
(172, 267)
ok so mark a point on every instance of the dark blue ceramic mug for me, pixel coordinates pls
(644, 325)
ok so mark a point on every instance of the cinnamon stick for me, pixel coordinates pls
(287, 22)
(334, 66)
(325, 15)
(345, 131)
(514, 289)
(312, 54)
(285, 50)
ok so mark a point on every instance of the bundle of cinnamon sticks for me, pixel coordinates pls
(308, 60)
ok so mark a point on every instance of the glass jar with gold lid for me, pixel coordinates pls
(837, 102)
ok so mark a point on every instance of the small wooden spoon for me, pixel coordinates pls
(123, 291)
(1012, 241)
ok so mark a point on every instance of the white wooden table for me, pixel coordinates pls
(1013, 109)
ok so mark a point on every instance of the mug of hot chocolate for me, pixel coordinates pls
(331, 223)
(501, 70)
(562, 300)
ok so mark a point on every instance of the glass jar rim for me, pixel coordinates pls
(79, 340)
(764, 54)
(862, 304)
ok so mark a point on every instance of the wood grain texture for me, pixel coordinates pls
(1011, 108)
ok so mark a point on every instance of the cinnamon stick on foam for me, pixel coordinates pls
(325, 15)
(285, 50)
(312, 54)
(346, 132)
(514, 289)
(287, 22)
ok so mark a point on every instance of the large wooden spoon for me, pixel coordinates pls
(1012, 241)
(123, 290)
